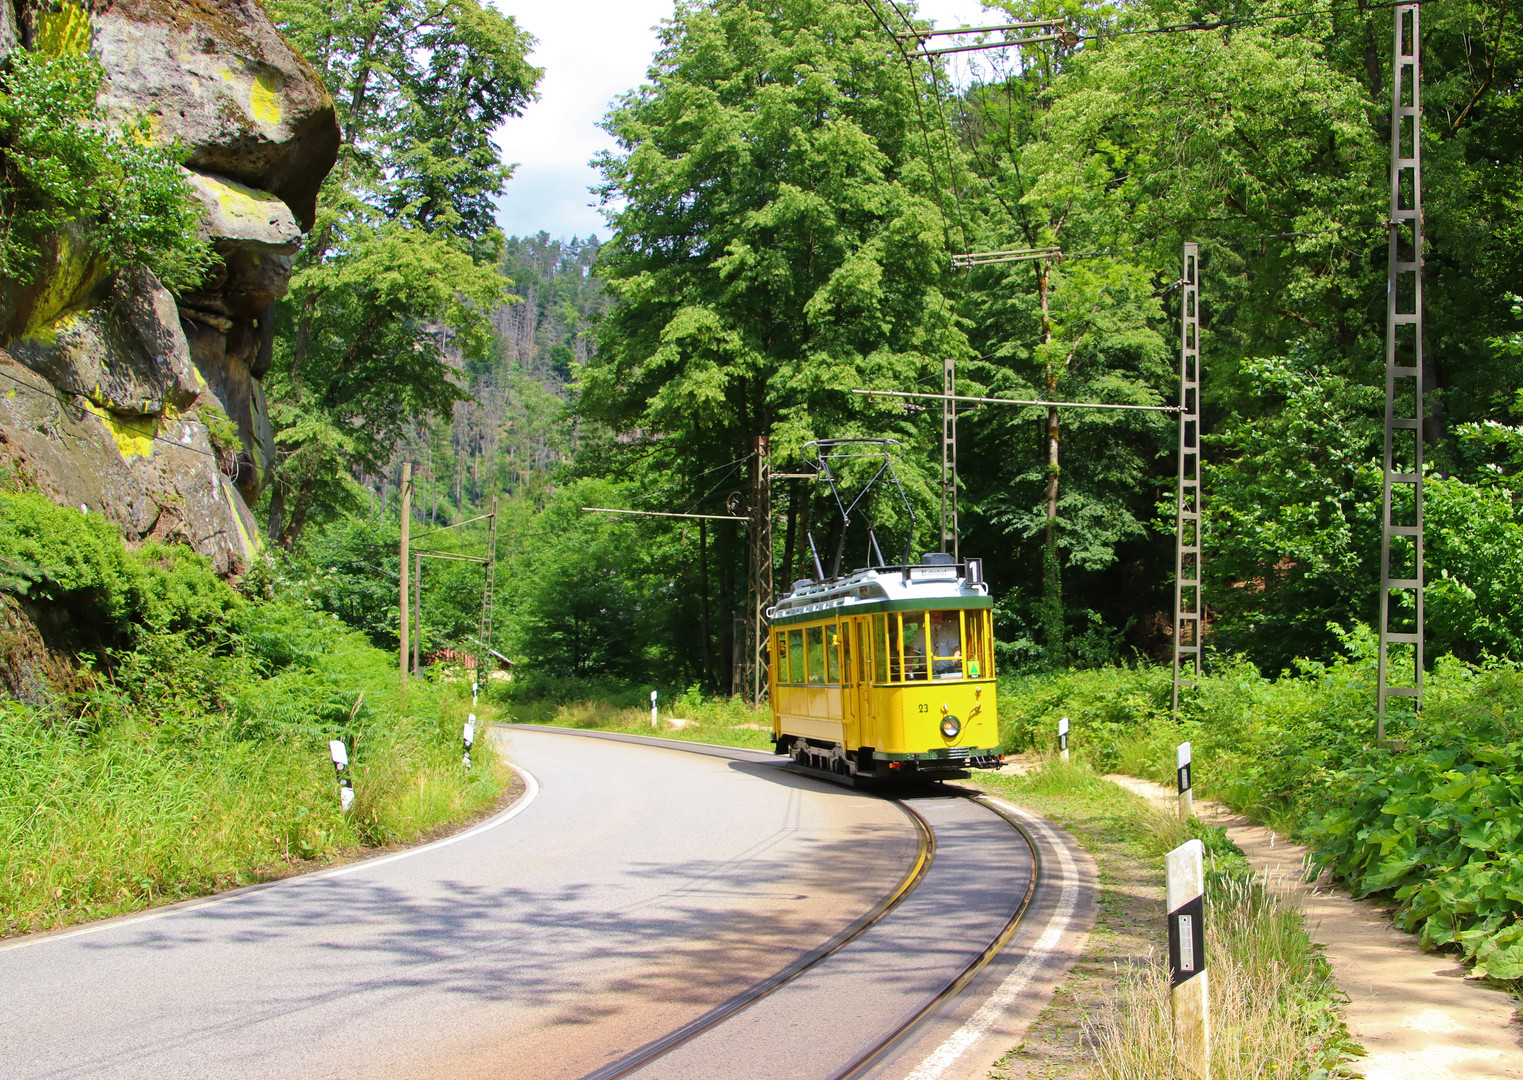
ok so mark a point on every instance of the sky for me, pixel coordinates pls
(592, 51)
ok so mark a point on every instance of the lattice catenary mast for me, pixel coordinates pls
(1401, 502)
(759, 533)
(1187, 524)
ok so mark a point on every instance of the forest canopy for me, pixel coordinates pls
(785, 196)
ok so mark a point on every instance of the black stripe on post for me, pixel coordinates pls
(1183, 778)
(1187, 941)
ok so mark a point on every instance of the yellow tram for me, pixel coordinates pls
(887, 672)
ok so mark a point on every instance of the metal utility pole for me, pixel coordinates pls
(1401, 501)
(1187, 531)
(488, 589)
(402, 623)
(759, 531)
(949, 456)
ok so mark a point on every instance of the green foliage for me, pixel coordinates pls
(778, 240)
(1434, 824)
(192, 754)
(63, 174)
(403, 251)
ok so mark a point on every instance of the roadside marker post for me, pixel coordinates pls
(1182, 771)
(1184, 870)
(655, 717)
(1063, 738)
(468, 736)
(340, 757)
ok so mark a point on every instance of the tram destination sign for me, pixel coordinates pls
(933, 573)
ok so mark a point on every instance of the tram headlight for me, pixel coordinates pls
(950, 726)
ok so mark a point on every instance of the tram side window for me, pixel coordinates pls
(780, 650)
(914, 644)
(814, 647)
(795, 656)
(946, 644)
(979, 662)
(833, 655)
(880, 648)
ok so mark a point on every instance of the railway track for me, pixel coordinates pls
(755, 1033)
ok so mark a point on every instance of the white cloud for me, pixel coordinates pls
(593, 51)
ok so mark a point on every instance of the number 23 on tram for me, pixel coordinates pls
(887, 673)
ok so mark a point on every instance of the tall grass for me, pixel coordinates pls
(189, 750)
(95, 824)
(1273, 1004)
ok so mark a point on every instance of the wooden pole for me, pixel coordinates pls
(402, 623)
(417, 611)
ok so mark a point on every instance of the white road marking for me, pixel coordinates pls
(945, 1056)
(531, 791)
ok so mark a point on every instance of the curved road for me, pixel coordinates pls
(637, 889)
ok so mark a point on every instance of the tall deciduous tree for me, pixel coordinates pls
(404, 248)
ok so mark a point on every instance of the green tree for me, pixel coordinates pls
(403, 252)
(778, 243)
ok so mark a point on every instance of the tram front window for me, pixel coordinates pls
(946, 644)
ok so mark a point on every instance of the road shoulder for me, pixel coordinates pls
(1414, 1012)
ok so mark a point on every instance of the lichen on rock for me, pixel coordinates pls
(113, 370)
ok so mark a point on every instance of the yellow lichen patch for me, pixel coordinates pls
(264, 99)
(134, 435)
(72, 279)
(65, 32)
(241, 203)
(250, 543)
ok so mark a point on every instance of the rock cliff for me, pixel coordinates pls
(115, 394)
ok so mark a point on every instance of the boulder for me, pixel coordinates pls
(128, 391)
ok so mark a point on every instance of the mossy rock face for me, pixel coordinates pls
(151, 476)
(220, 77)
(127, 353)
(115, 367)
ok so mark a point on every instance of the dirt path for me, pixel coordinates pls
(1414, 1011)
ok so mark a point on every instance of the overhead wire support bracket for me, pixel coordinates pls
(1020, 401)
(1040, 24)
(660, 513)
(967, 260)
(1069, 38)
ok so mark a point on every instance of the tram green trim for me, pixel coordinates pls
(878, 607)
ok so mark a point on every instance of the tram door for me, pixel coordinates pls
(860, 693)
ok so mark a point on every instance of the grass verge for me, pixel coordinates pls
(690, 716)
(1275, 1009)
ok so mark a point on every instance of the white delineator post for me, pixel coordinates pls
(1182, 771)
(468, 736)
(1184, 870)
(340, 756)
(655, 717)
(1063, 738)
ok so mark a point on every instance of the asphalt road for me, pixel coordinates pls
(638, 889)
(632, 893)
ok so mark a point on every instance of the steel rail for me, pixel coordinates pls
(913, 1025)
(638, 1059)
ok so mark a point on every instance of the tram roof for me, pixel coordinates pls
(893, 588)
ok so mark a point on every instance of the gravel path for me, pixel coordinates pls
(1413, 1011)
